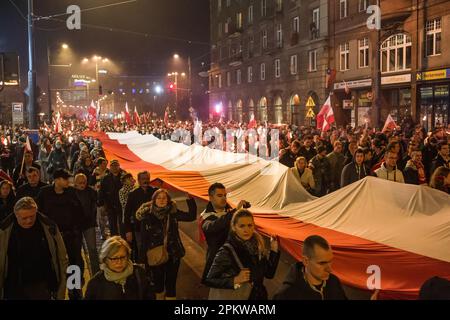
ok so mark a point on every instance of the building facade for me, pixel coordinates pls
(268, 57)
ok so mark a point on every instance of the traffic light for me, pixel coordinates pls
(100, 90)
(172, 87)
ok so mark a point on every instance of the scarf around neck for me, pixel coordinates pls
(118, 277)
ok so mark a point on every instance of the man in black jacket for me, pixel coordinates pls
(20, 170)
(356, 170)
(88, 200)
(60, 203)
(136, 198)
(215, 222)
(443, 157)
(307, 150)
(34, 185)
(289, 155)
(33, 259)
(109, 196)
(312, 279)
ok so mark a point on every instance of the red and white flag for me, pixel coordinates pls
(57, 122)
(252, 122)
(28, 145)
(127, 114)
(137, 119)
(389, 124)
(325, 118)
(92, 110)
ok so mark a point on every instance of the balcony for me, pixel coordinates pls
(235, 60)
(235, 32)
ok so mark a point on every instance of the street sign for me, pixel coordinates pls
(310, 103)
(310, 113)
(17, 113)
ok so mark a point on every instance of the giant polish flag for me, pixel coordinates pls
(325, 118)
(378, 229)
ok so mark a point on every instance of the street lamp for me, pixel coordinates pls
(64, 46)
(176, 56)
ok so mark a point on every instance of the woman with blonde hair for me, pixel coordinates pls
(119, 278)
(243, 262)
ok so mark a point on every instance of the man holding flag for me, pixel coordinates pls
(127, 115)
(27, 162)
(137, 119)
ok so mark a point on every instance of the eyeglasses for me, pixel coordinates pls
(117, 259)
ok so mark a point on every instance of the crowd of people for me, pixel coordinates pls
(59, 191)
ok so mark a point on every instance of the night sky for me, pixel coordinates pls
(187, 20)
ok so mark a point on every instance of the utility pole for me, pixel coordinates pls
(31, 70)
(190, 82)
(49, 92)
(376, 73)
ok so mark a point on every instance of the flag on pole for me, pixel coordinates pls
(325, 118)
(92, 110)
(28, 145)
(137, 120)
(252, 122)
(389, 124)
(127, 114)
(57, 122)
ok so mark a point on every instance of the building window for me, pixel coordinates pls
(279, 5)
(315, 26)
(239, 20)
(264, 39)
(250, 14)
(363, 57)
(219, 6)
(263, 8)
(250, 46)
(294, 64)
(279, 35)
(396, 53)
(220, 81)
(296, 25)
(312, 61)
(250, 74)
(363, 4)
(344, 52)
(343, 9)
(228, 79)
(238, 76)
(277, 68)
(263, 71)
(227, 26)
(433, 37)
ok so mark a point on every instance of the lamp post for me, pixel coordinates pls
(177, 57)
(49, 65)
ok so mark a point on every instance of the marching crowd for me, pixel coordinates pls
(57, 192)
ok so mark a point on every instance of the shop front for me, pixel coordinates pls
(355, 103)
(433, 98)
(396, 98)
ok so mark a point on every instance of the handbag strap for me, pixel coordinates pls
(233, 252)
(166, 234)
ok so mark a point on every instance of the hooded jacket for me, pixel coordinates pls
(352, 173)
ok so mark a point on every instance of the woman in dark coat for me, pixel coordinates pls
(258, 263)
(155, 216)
(119, 278)
(7, 199)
